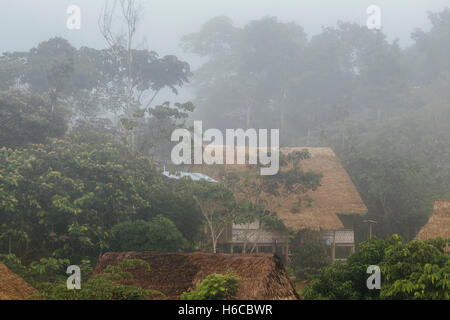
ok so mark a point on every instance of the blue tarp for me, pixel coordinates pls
(195, 176)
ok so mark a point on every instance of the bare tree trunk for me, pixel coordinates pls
(216, 238)
(131, 12)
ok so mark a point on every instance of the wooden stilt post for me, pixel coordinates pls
(370, 223)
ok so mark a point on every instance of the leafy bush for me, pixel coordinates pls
(310, 256)
(159, 234)
(214, 287)
(46, 271)
(409, 270)
(416, 270)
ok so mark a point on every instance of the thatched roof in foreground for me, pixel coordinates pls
(12, 287)
(261, 276)
(439, 223)
(337, 194)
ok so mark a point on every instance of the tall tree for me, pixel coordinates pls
(217, 205)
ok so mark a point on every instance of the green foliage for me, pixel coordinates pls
(416, 270)
(154, 137)
(13, 263)
(29, 118)
(159, 234)
(46, 271)
(214, 287)
(409, 270)
(179, 206)
(310, 256)
(65, 196)
(94, 82)
(338, 282)
(59, 199)
(104, 286)
(397, 191)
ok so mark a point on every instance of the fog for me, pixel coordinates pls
(24, 23)
(124, 135)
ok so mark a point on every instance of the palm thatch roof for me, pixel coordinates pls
(12, 287)
(261, 276)
(439, 223)
(336, 196)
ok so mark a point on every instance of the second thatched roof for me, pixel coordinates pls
(438, 226)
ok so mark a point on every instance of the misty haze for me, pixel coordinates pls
(238, 150)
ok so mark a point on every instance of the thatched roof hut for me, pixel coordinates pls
(12, 287)
(439, 223)
(336, 197)
(261, 276)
